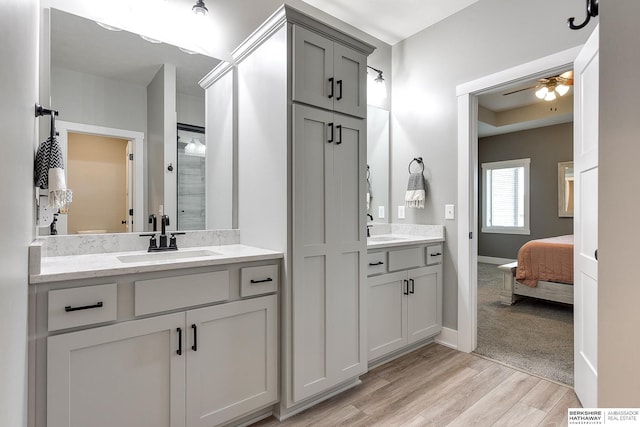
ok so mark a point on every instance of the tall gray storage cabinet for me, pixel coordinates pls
(301, 135)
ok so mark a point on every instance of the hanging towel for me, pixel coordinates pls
(49, 173)
(416, 191)
(369, 194)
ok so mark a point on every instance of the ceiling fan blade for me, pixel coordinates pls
(519, 90)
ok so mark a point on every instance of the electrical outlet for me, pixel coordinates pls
(401, 212)
(380, 212)
(449, 212)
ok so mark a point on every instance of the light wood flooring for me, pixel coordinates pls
(438, 386)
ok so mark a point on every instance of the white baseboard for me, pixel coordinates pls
(448, 337)
(494, 260)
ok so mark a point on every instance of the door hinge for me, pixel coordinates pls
(471, 235)
(130, 156)
(130, 210)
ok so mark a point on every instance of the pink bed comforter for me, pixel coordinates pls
(549, 259)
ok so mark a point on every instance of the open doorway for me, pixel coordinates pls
(523, 139)
(468, 180)
(122, 147)
(98, 170)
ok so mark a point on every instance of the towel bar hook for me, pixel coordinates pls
(41, 111)
(417, 160)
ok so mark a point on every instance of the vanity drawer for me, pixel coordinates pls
(258, 280)
(155, 295)
(69, 308)
(376, 263)
(434, 254)
(406, 258)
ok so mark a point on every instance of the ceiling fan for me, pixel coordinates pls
(548, 87)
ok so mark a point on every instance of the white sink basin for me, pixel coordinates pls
(166, 256)
(384, 238)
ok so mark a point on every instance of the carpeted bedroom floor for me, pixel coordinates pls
(533, 335)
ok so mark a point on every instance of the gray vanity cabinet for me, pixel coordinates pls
(404, 305)
(169, 359)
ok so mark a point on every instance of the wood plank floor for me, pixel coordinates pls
(438, 386)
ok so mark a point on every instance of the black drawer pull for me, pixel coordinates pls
(179, 351)
(84, 307)
(436, 254)
(330, 127)
(406, 287)
(268, 279)
(376, 263)
(194, 347)
(331, 87)
(339, 82)
(339, 141)
(413, 286)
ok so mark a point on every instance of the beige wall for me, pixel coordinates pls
(97, 175)
(619, 204)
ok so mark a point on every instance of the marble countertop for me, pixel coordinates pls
(395, 240)
(71, 267)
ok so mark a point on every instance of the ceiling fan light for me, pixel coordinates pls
(542, 92)
(550, 96)
(562, 90)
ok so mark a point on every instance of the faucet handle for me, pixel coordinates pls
(153, 243)
(173, 244)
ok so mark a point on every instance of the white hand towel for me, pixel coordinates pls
(416, 191)
(49, 173)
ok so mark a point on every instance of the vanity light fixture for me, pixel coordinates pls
(108, 27)
(378, 79)
(199, 8)
(149, 39)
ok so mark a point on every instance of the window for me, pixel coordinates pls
(505, 197)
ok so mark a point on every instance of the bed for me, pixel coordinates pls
(544, 270)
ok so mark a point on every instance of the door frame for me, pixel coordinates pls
(467, 94)
(137, 138)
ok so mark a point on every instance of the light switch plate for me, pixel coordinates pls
(400, 212)
(380, 211)
(449, 212)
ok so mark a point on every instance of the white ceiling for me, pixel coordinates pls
(391, 20)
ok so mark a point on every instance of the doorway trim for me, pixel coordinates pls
(138, 155)
(467, 94)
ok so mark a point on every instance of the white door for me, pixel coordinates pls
(586, 223)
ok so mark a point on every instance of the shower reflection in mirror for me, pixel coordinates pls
(191, 177)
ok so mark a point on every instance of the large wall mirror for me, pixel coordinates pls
(121, 97)
(565, 189)
(378, 163)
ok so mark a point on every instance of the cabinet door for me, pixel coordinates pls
(346, 276)
(313, 81)
(312, 166)
(329, 245)
(425, 302)
(128, 374)
(350, 74)
(387, 308)
(231, 360)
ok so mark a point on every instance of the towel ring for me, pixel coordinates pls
(419, 161)
(368, 172)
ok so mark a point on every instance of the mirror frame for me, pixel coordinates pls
(563, 212)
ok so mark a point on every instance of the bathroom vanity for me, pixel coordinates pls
(405, 289)
(188, 338)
